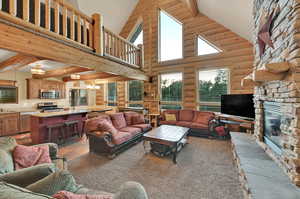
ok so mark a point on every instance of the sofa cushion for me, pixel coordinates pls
(92, 124)
(69, 195)
(167, 122)
(144, 127)
(8, 191)
(203, 117)
(118, 120)
(132, 130)
(121, 137)
(198, 126)
(60, 180)
(138, 119)
(106, 126)
(170, 112)
(28, 156)
(184, 124)
(129, 116)
(186, 115)
(6, 162)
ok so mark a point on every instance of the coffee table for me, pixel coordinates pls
(171, 136)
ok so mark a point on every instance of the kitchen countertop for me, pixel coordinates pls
(61, 113)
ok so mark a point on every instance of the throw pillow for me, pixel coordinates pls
(28, 156)
(106, 126)
(138, 119)
(170, 117)
(6, 162)
(69, 195)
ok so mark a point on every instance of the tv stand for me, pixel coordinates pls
(236, 123)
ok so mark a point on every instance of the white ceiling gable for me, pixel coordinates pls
(235, 15)
(114, 12)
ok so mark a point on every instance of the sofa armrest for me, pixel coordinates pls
(60, 162)
(106, 136)
(27, 176)
(53, 149)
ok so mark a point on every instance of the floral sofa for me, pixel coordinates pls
(197, 121)
(111, 134)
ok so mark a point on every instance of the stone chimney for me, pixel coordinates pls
(276, 76)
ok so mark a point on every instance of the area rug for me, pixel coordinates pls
(205, 170)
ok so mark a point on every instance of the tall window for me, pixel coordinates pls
(206, 48)
(135, 93)
(112, 94)
(212, 84)
(170, 37)
(171, 90)
(138, 35)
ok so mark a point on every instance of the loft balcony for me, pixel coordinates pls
(55, 30)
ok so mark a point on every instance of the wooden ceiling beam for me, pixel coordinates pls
(192, 5)
(18, 61)
(63, 71)
(97, 75)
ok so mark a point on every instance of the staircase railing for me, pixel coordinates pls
(59, 19)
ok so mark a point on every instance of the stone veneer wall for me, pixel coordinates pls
(285, 36)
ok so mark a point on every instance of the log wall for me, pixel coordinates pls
(237, 52)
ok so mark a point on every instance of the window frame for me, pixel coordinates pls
(180, 103)
(209, 43)
(128, 102)
(215, 104)
(159, 37)
(107, 95)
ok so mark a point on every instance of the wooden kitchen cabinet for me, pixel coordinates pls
(34, 86)
(9, 124)
(25, 121)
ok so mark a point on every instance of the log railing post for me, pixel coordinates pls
(26, 10)
(12, 7)
(141, 56)
(98, 33)
(47, 14)
(65, 21)
(56, 17)
(37, 12)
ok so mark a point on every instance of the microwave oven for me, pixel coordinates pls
(49, 94)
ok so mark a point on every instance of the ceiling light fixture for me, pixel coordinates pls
(37, 70)
(75, 76)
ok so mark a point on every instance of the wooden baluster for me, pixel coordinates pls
(79, 28)
(12, 7)
(26, 10)
(47, 14)
(98, 33)
(124, 51)
(37, 12)
(72, 26)
(84, 32)
(107, 43)
(65, 21)
(91, 33)
(118, 47)
(141, 56)
(56, 17)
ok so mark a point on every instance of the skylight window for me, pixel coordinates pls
(206, 48)
(170, 37)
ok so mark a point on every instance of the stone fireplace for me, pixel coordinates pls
(276, 76)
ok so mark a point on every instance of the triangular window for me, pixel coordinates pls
(206, 48)
(137, 37)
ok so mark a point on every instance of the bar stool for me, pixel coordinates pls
(73, 125)
(60, 128)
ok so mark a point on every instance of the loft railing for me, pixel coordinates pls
(59, 19)
(119, 48)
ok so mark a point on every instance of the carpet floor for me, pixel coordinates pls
(205, 170)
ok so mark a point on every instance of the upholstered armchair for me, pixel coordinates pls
(24, 177)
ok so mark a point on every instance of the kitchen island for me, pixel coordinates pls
(40, 121)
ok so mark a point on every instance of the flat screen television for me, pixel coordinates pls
(238, 105)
